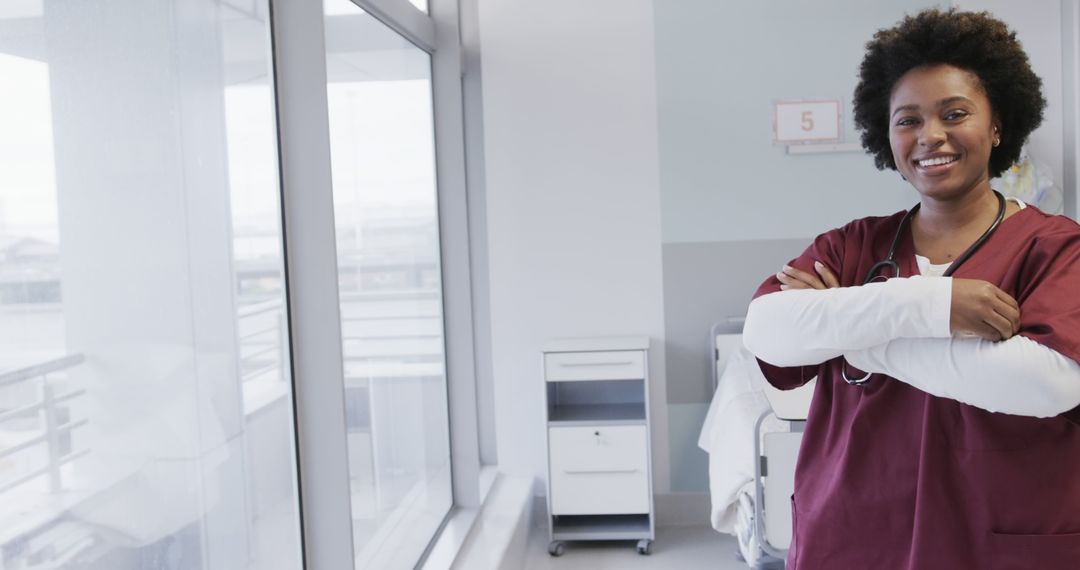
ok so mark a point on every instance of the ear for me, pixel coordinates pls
(996, 134)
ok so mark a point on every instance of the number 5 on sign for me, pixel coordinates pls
(806, 121)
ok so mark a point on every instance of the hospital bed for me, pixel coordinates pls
(752, 433)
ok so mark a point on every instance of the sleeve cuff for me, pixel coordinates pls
(927, 302)
(941, 307)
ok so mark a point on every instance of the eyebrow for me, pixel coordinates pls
(942, 103)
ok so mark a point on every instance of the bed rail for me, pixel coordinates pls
(727, 325)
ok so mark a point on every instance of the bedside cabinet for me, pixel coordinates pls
(599, 484)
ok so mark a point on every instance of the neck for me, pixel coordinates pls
(943, 217)
(943, 229)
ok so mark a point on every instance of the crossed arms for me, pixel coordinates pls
(953, 338)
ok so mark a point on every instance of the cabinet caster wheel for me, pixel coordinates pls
(556, 548)
(644, 547)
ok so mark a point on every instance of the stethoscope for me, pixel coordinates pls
(891, 264)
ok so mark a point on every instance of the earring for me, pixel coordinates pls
(997, 142)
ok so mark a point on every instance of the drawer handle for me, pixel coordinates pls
(601, 472)
(580, 364)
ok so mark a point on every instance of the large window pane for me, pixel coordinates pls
(383, 162)
(145, 405)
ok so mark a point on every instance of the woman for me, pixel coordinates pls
(945, 429)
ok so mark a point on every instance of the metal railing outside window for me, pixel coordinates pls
(47, 422)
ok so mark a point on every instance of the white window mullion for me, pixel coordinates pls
(311, 262)
(472, 111)
(456, 264)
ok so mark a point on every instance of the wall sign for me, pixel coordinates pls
(796, 122)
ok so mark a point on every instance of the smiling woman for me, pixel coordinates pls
(965, 358)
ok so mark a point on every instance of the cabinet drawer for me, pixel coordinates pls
(599, 470)
(612, 365)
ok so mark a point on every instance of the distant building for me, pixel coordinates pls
(29, 271)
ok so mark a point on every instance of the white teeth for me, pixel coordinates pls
(937, 161)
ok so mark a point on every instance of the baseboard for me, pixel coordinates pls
(672, 510)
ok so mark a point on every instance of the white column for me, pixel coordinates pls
(145, 236)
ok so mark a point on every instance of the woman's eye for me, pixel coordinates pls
(905, 122)
(955, 115)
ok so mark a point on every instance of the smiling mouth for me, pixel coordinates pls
(937, 161)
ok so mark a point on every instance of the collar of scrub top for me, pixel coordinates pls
(890, 263)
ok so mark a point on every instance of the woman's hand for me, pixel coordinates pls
(791, 278)
(981, 309)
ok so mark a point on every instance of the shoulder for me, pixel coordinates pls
(842, 246)
(1047, 246)
(1054, 222)
(864, 228)
(1049, 229)
(874, 223)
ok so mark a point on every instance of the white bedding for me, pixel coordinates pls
(728, 434)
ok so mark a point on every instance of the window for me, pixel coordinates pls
(389, 282)
(147, 357)
(145, 402)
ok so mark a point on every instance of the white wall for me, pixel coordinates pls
(718, 79)
(573, 205)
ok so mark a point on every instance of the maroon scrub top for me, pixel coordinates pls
(890, 477)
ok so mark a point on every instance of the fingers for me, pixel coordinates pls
(1000, 328)
(1008, 308)
(789, 282)
(1010, 314)
(982, 308)
(799, 279)
(1007, 299)
(826, 275)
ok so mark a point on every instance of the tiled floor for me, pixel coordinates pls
(683, 548)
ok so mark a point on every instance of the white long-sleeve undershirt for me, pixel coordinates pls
(901, 328)
(801, 327)
(1017, 376)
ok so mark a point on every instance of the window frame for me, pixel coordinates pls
(298, 40)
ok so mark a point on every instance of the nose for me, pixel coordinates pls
(932, 134)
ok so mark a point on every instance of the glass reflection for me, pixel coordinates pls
(145, 409)
(386, 216)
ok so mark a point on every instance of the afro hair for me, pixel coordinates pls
(976, 42)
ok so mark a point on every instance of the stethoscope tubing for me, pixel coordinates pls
(890, 262)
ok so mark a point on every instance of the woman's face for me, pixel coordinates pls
(941, 130)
